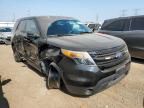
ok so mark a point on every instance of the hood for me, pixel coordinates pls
(86, 42)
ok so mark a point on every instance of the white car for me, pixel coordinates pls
(5, 35)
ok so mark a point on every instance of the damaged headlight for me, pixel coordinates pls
(79, 57)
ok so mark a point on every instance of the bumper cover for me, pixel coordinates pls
(102, 84)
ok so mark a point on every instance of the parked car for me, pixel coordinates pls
(5, 35)
(69, 54)
(93, 26)
(130, 29)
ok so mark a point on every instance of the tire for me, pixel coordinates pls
(53, 79)
(16, 56)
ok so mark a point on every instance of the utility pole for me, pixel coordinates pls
(13, 17)
(123, 12)
(97, 18)
(136, 12)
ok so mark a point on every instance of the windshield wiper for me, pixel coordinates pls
(85, 32)
(61, 35)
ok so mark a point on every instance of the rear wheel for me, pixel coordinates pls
(16, 55)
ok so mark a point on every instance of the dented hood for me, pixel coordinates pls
(86, 42)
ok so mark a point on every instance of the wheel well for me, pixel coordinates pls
(42, 48)
(53, 69)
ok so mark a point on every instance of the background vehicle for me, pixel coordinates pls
(93, 26)
(130, 29)
(6, 32)
(69, 54)
(5, 35)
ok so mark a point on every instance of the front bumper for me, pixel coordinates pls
(100, 86)
(88, 80)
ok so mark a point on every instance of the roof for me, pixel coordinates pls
(125, 17)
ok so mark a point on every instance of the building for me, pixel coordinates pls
(7, 24)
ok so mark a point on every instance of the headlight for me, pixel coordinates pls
(79, 57)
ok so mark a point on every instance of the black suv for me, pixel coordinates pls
(130, 29)
(69, 54)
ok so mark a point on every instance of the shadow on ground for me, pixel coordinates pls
(136, 60)
(33, 69)
(3, 101)
(62, 89)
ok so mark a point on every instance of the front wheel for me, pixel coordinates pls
(53, 79)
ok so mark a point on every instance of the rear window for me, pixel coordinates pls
(137, 24)
(119, 25)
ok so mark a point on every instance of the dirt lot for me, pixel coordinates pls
(27, 88)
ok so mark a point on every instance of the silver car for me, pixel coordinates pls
(5, 35)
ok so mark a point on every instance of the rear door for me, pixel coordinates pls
(135, 37)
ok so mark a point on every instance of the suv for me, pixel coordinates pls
(130, 29)
(70, 54)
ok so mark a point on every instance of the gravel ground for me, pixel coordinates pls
(27, 88)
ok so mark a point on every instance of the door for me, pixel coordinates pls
(20, 33)
(116, 28)
(30, 41)
(135, 37)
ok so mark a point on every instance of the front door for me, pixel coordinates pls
(30, 41)
(20, 33)
(135, 37)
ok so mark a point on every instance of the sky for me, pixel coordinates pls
(84, 10)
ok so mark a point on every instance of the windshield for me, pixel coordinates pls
(67, 27)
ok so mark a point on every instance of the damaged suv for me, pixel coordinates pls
(69, 54)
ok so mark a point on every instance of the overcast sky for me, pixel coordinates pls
(84, 10)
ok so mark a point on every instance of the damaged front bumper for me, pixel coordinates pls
(88, 80)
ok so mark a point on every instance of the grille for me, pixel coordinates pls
(109, 58)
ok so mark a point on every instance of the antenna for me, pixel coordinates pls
(136, 12)
(97, 18)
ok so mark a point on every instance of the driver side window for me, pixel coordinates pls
(31, 27)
